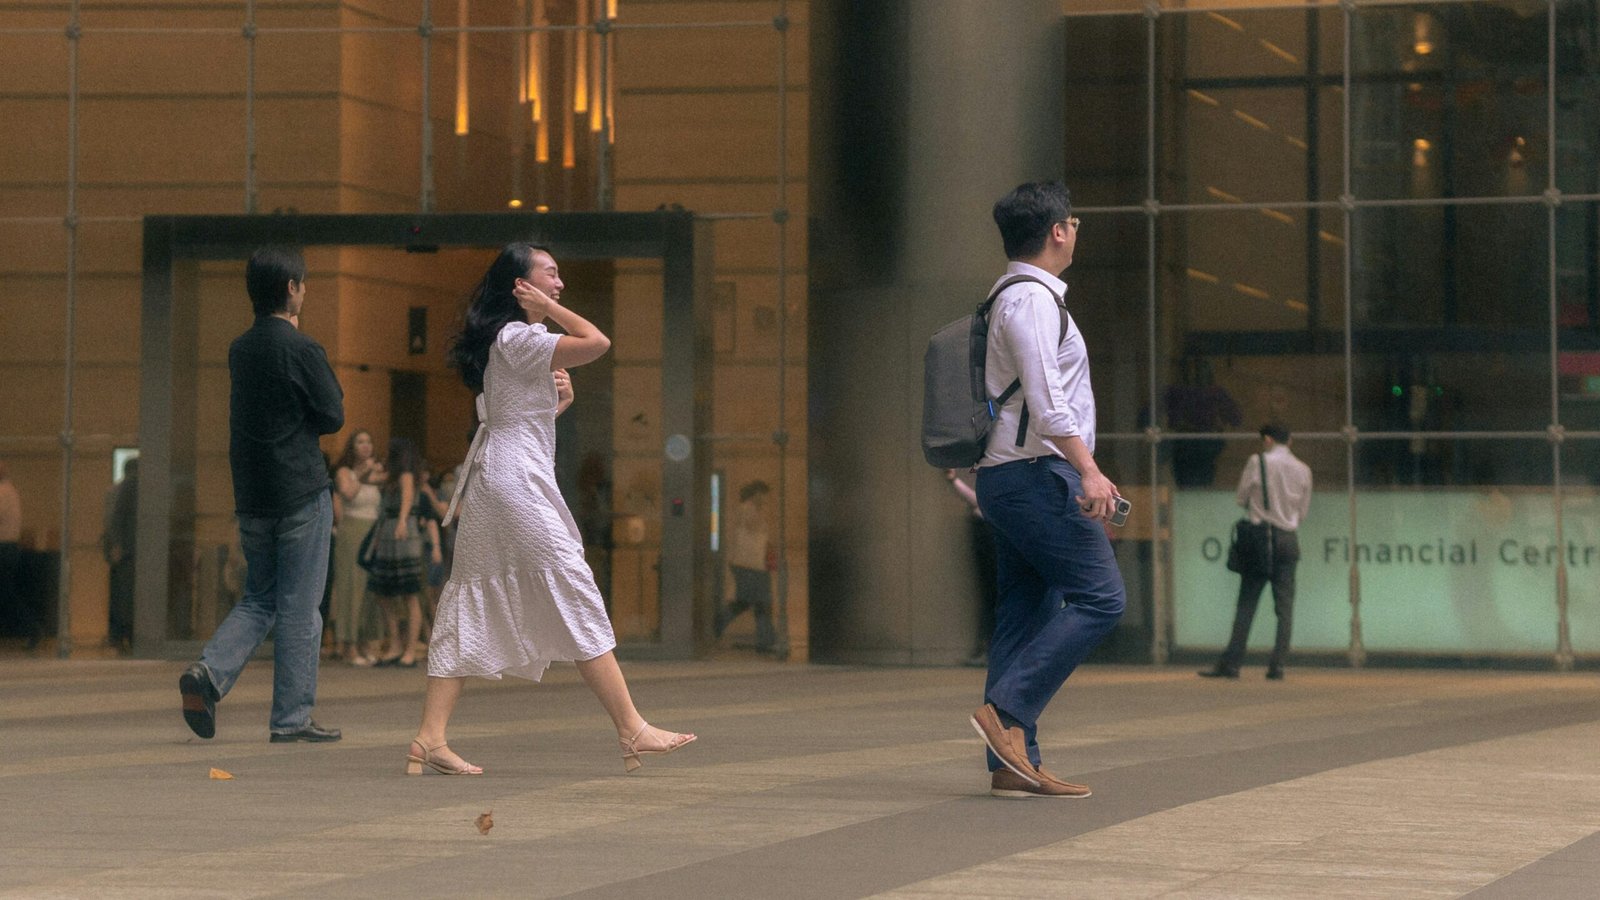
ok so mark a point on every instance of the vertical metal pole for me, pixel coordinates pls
(250, 107)
(602, 153)
(1357, 652)
(780, 437)
(1552, 200)
(425, 31)
(1161, 607)
(64, 570)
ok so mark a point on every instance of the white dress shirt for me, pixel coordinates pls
(1025, 342)
(1288, 486)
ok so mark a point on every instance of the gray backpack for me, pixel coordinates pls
(957, 412)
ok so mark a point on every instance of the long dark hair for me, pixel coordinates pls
(347, 459)
(403, 457)
(489, 307)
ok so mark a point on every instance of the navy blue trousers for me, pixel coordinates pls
(1060, 591)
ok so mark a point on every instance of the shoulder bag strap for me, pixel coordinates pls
(1266, 501)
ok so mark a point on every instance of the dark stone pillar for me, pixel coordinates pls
(923, 114)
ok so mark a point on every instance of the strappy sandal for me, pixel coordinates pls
(415, 762)
(631, 752)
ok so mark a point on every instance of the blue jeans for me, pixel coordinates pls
(752, 590)
(287, 561)
(1060, 591)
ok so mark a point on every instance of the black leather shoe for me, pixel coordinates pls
(199, 700)
(1274, 674)
(311, 734)
(1218, 672)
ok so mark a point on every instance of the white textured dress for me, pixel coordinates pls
(520, 594)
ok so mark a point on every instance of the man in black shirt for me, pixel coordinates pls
(284, 395)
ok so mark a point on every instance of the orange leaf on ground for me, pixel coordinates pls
(486, 822)
(219, 775)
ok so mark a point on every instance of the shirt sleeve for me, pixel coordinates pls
(528, 348)
(1031, 328)
(1305, 496)
(324, 396)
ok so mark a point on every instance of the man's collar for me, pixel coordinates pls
(1022, 268)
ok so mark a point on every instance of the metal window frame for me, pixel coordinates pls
(1162, 650)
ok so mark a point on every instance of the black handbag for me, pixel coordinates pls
(367, 556)
(1250, 550)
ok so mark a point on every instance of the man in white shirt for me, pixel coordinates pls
(1060, 592)
(1282, 504)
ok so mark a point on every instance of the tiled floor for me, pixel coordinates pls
(809, 781)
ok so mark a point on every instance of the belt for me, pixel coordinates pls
(1024, 462)
(474, 459)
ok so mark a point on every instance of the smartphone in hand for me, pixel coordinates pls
(1119, 511)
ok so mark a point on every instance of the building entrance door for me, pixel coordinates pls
(626, 459)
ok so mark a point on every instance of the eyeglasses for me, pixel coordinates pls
(1072, 221)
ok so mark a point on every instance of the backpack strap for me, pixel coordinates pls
(1022, 420)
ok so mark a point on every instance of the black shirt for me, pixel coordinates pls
(284, 395)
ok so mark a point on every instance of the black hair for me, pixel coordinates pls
(1277, 431)
(1027, 214)
(489, 307)
(403, 457)
(267, 277)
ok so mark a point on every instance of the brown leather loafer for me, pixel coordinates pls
(1006, 784)
(1008, 744)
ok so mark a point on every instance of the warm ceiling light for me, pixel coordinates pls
(1422, 144)
(514, 203)
(1422, 48)
(541, 208)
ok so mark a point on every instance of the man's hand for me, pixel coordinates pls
(1099, 497)
(438, 555)
(563, 390)
(534, 302)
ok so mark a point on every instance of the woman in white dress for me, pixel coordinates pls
(520, 594)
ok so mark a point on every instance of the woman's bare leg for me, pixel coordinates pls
(390, 608)
(604, 677)
(437, 705)
(413, 629)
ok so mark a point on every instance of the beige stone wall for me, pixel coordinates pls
(698, 126)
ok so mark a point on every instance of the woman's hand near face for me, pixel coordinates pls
(534, 302)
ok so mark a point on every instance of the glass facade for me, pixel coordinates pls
(1376, 223)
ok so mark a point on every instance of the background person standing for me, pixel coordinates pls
(1282, 502)
(11, 597)
(749, 549)
(284, 395)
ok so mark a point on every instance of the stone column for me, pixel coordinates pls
(923, 114)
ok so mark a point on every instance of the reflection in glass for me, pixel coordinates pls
(1106, 90)
(1450, 100)
(1461, 566)
(1451, 319)
(1580, 519)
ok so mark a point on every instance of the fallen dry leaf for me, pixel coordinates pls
(486, 822)
(219, 775)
